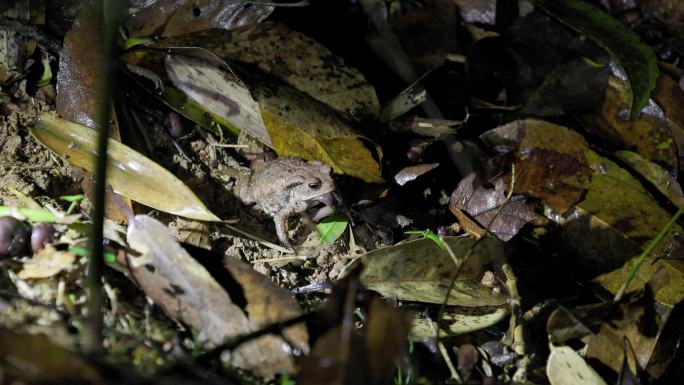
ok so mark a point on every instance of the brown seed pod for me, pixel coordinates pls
(41, 235)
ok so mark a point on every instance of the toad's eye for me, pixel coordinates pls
(315, 185)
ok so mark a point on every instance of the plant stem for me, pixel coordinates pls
(647, 251)
(111, 12)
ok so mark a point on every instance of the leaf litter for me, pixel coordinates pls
(576, 166)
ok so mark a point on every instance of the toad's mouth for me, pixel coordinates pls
(321, 206)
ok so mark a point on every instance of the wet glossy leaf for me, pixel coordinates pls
(635, 57)
(331, 228)
(178, 17)
(566, 367)
(649, 133)
(656, 175)
(420, 271)
(185, 290)
(483, 204)
(130, 173)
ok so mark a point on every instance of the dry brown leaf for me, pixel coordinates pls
(550, 164)
(167, 18)
(410, 173)
(419, 270)
(186, 291)
(483, 204)
(77, 92)
(556, 164)
(268, 303)
(129, 173)
(46, 263)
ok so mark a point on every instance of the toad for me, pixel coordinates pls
(284, 187)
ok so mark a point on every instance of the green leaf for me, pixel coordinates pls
(108, 257)
(331, 228)
(637, 59)
(36, 215)
(72, 198)
(46, 77)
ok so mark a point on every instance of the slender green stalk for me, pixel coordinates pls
(647, 251)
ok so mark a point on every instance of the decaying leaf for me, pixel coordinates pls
(630, 331)
(46, 263)
(194, 233)
(178, 17)
(636, 58)
(669, 12)
(290, 122)
(186, 291)
(297, 60)
(76, 100)
(78, 67)
(408, 99)
(550, 161)
(672, 291)
(459, 320)
(665, 182)
(612, 210)
(300, 126)
(268, 303)
(419, 270)
(670, 98)
(483, 204)
(648, 134)
(566, 367)
(347, 355)
(410, 173)
(207, 82)
(130, 173)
